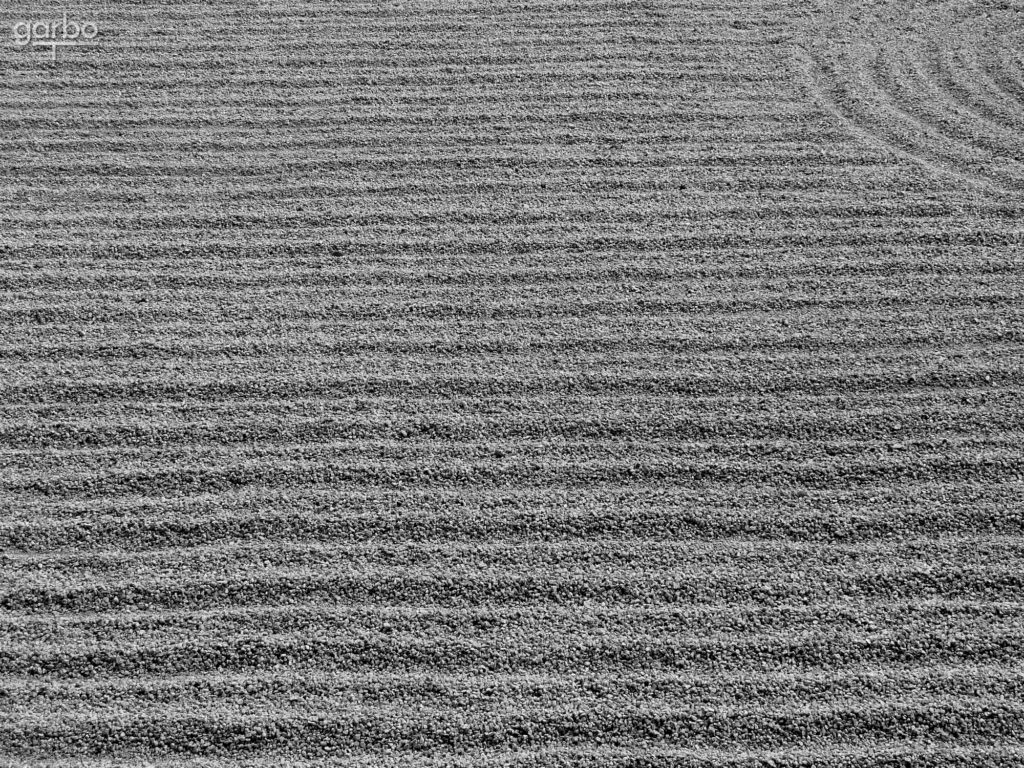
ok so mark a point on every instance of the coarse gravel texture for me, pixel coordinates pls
(420, 383)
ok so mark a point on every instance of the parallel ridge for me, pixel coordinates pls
(546, 383)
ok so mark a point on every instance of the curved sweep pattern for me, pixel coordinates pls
(938, 83)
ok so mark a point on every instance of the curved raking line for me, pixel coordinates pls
(894, 82)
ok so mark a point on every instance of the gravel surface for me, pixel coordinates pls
(549, 383)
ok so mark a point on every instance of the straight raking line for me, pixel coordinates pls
(54, 44)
